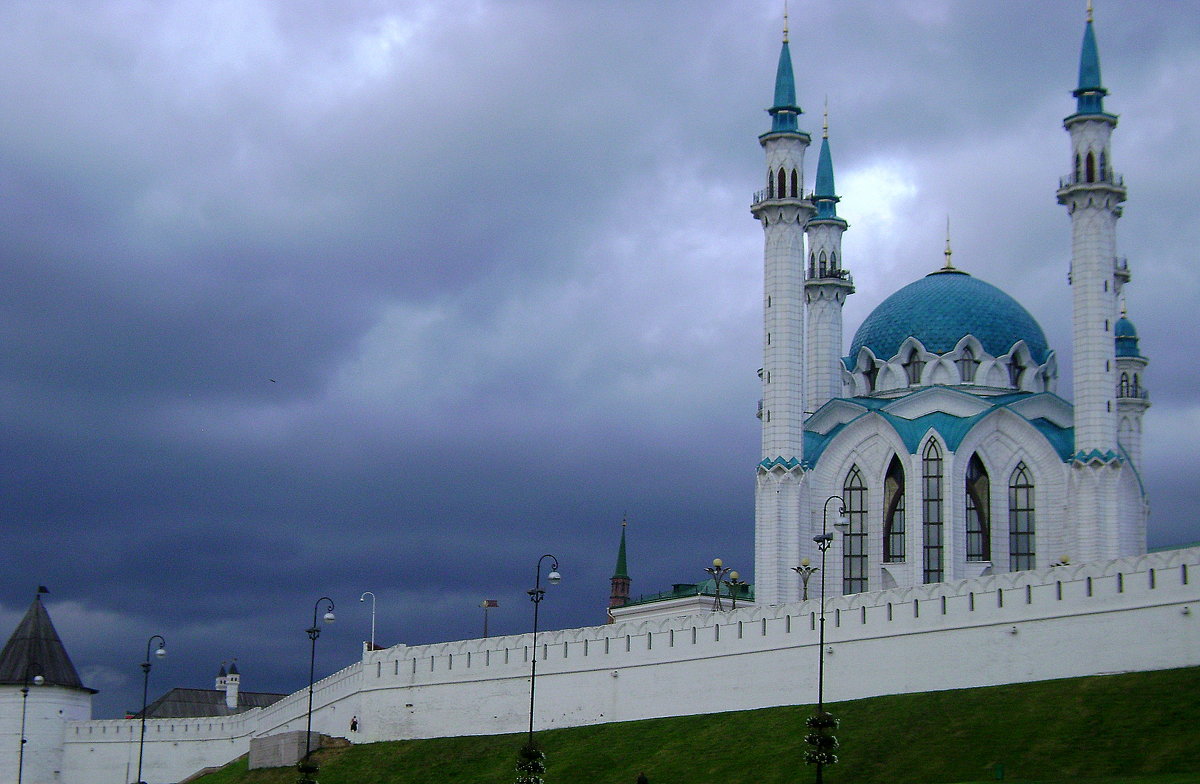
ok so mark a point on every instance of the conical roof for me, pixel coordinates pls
(35, 649)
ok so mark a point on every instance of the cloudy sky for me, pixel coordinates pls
(311, 298)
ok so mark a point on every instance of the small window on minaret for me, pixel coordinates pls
(833, 260)
(1091, 168)
(822, 267)
(782, 186)
(1123, 388)
(795, 185)
(1078, 167)
(1103, 167)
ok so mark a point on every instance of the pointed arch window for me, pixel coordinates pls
(979, 529)
(833, 262)
(933, 546)
(782, 186)
(812, 264)
(913, 367)
(854, 544)
(1137, 386)
(1078, 167)
(1103, 167)
(1090, 167)
(1021, 520)
(893, 513)
(967, 365)
(822, 264)
(795, 184)
(1123, 387)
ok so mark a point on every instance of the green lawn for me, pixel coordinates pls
(1138, 728)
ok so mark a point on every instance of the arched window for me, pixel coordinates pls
(979, 529)
(893, 513)
(933, 569)
(1103, 167)
(812, 264)
(821, 264)
(1090, 165)
(1078, 167)
(795, 185)
(782, 187)
(1137, 386)
(854, 544)
(1016, 371)
(967, 364)
(1020, 520)
(871, 373)
(913, 367)
(833, 259)
(1123, 386)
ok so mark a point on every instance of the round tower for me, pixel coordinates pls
(1132, 397)
(783, 212)
(826, 287)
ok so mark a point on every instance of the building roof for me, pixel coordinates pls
(35, 649)
(942, 308)
(181, 703)
(1126, 337)
(683, 590)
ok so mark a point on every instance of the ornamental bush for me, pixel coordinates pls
(530, 765)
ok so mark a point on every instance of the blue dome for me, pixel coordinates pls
(1127, 339)
(942, 308)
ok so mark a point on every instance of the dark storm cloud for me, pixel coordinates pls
(306, 298)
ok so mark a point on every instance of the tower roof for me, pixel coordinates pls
(35, 649)
(824, 193)
(1126, 337)
(621, 572)
(1089, 94)
(785, 111)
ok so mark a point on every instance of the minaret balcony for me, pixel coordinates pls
(1108, 180)
(767, 194)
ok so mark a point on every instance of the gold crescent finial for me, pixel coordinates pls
(1089, 10)
(785, 21)
(948, 252)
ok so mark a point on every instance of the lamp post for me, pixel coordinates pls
(536, 594)
(314, 632)
(37, 680)
(717, 571)
(363, 598)
(823, 743)
(734, 583)
(805, 571)
(159, 653)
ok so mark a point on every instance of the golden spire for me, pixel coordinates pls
(949, 264)
(1123, 313)
(1089, 11)
(825, 123)
(785, 21)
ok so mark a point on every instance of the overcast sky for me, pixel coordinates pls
(311, 298)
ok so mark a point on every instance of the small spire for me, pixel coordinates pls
(949, 264)
(1089, 95)
(825, 122)
(1123, 313)
(622, 571)
(1089, 11)
(785, 19)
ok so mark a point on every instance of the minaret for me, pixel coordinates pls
(826, 287)
(1092, 194)
(783, 212)
(619, 595)
(1132, 397)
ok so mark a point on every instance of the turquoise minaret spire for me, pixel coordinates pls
(1089, 95)
(824, 195)
(785, 111)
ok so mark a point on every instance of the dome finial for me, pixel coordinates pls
(1123, 312)
(785, 19)
(1089, 10)
(949, 264)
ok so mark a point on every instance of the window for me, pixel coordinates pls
(1020, 520)
(913, 367)
(1103, 167)
(1015, 372)
(1078, 167)
(795, 185)
(854, 545)
(931, 513)
(979, 530)
(893, 513)
(967, 364)
(1090, 163)
(1123, 387)
(871, 373)
(782, 187)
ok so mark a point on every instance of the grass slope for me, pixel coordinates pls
(1135, 728)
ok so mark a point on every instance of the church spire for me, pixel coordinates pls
(1089, 95)
(619, 595)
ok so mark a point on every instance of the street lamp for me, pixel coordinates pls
(159, 653)
(314, 632)
(717, 571)
(734, 583)
(805, 571)
(536, 594)
(363, 598)
(37, 680)
(823, 743)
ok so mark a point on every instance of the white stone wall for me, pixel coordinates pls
(47, 710)
(1132, 614)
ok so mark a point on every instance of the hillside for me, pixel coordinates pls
(1135, 728)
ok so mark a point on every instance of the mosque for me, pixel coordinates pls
(975, 510)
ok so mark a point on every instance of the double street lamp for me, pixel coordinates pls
(717, 572)
(37, 680)
(160, 652)
(314, 632)
(822, 723)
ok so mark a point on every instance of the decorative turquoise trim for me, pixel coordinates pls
(1096, 456)
(789, 463)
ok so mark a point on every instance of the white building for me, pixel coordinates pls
(985, 514)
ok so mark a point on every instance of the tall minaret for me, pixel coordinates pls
(783, 212)
(826, 288)
(1093, 194)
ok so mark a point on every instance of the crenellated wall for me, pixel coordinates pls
(1137, 613)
